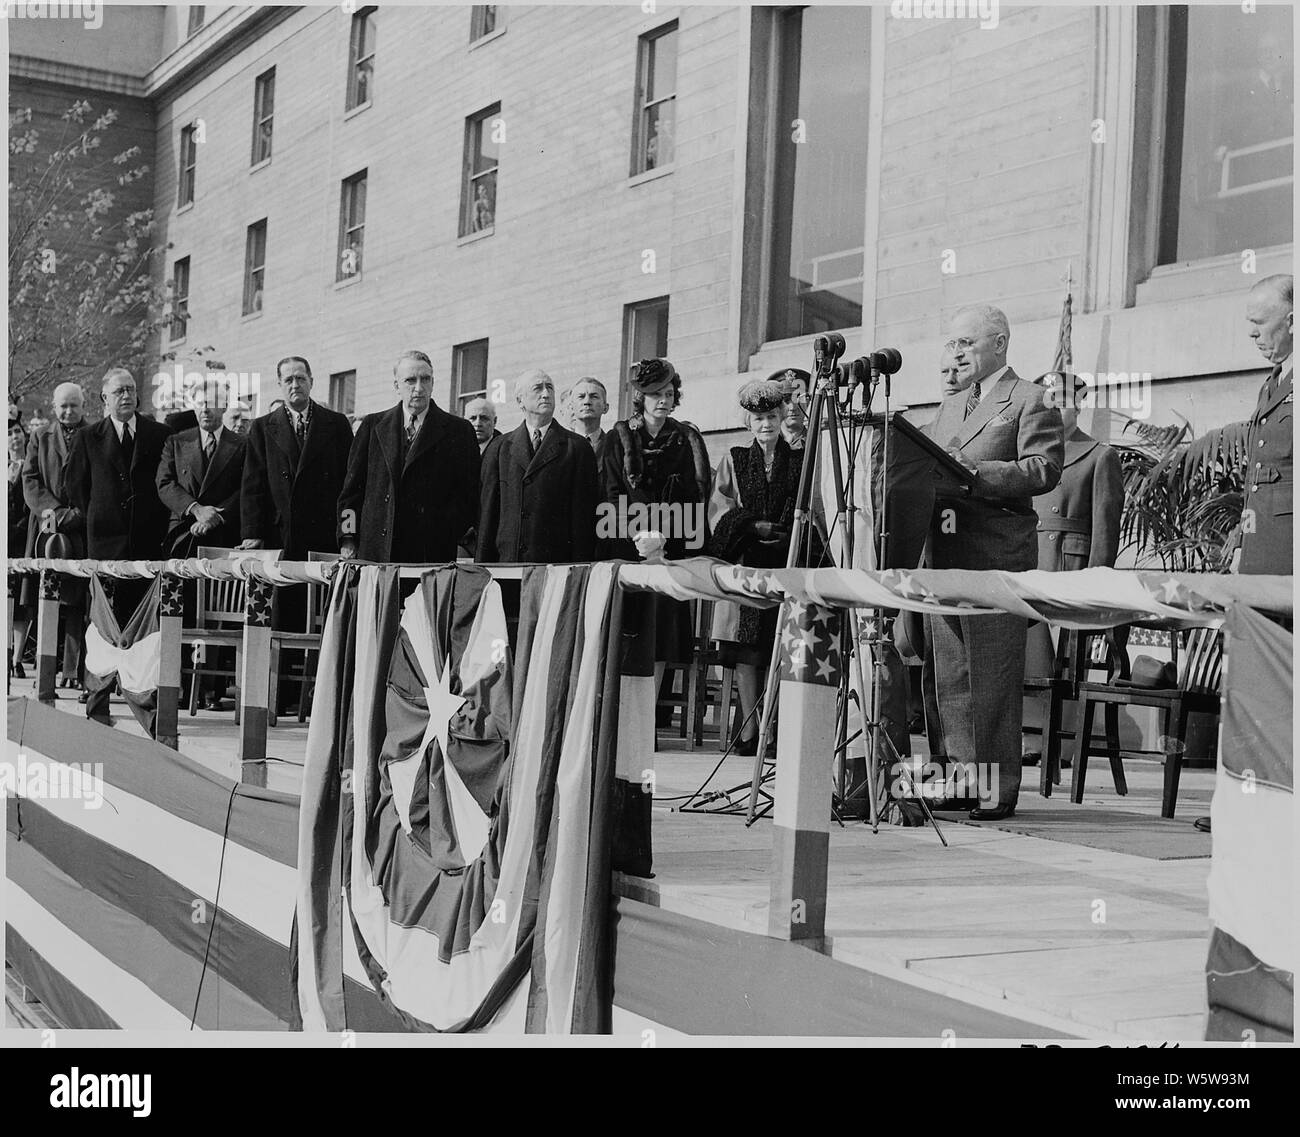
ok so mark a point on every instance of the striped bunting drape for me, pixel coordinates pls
(457, 804)
(149, 892)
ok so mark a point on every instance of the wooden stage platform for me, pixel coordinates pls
(1088, 920)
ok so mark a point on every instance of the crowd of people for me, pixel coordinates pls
(417, 484)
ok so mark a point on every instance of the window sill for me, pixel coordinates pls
(650, 175)
(1210, 277)
(171, 343)
(358, 109)
(470, 238)
(496, 33)
(184, 208)
(259, 165)
(248, 316)
(347, 281)
(797, 351)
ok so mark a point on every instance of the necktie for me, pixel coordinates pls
(537, 440)
(128, 443)
(300, 428)
(209, 445)
(973, 399)
(411, 428)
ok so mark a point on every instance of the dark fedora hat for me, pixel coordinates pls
(1151, 674)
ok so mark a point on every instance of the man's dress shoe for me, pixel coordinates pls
(993, 813)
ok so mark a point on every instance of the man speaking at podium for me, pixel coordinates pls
(1000, 428)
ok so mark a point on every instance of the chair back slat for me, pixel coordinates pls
(318, 596)
(1200, 661)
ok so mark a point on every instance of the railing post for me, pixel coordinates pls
(170, 619)
(15, 585)
(809, 666)
(255, 675)
(47, 636)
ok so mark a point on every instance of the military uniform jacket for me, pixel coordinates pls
(1266, 516)
(1079, 520)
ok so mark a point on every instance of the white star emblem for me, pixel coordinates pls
(906, 586)
(824, 670)
(1169, 590)
(798, 612)
(443, 707)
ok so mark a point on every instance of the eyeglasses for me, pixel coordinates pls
(963, 344)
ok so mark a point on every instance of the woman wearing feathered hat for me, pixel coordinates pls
(652, 458)
(750, 514)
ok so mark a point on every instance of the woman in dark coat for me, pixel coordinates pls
(23, 610)
(652, 458)
(750, 515)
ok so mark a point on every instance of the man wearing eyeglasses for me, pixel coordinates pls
(1004, 432)
(110, 478)
(412, 484)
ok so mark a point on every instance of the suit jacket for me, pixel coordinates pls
(183, 482)
(45, 488)
(289, 496)
(538, 507)
(125, 518)
(1078, 521)
(484, 446)
(1269, 480)
(411, 507)
(1016, 443)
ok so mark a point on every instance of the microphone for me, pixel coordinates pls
(836, 344)
(820, 348)
(887, 360)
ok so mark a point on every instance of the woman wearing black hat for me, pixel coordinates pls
(652, 458)
(750, 514)
(23, 611)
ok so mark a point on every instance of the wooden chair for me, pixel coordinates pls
(1198, 664)
(218, 622)
(1077, 653)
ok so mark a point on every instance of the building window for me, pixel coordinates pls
(1229, 132)
(343, 392)
(656, 99)
(469, 363)
(483, 21)
(263, 113)
(352, 225)
(189, 159)
(254, 267)
(180, 299)
(819, 146)
(361, 58)
(195, 21)
(478, 196)
(645, 336)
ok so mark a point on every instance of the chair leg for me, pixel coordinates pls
(307, 670)
(1051, 757)
(196, 670)
(1176, 719)
(688, 711)
(724, 715)
(1112, 748)
(1082, 738)
(274, 687)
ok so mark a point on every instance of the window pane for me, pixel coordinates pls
(662, 79)
(343, 392)
(1234, 175)
(659, 134)
(818, 213)
(486, 152)
(470, 371)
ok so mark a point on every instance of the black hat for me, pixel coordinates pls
(653, 375)
(759, 396)
(791, 379)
